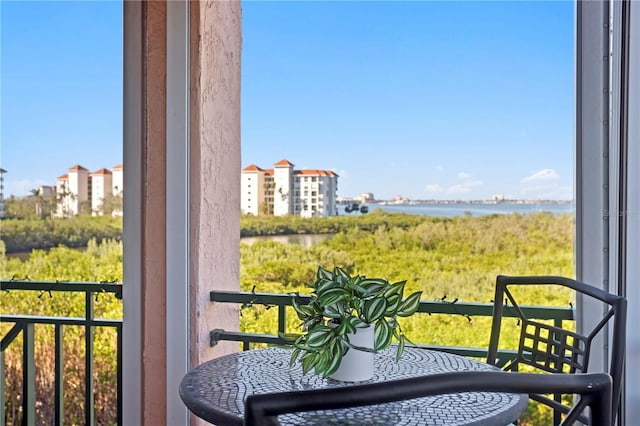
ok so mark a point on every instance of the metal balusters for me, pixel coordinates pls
(59, 375)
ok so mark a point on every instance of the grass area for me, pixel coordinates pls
(453, 257)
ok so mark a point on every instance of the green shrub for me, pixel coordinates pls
(453, 257)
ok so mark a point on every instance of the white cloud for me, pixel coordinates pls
(544, 175)
(433, 188)
(551, 191)
(464, 175)
(544, 184)
(439, 168)
(464, 187)
(458, 189)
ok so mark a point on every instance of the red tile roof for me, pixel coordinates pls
(284, 163)
(77, 167)
(102, 171)
(309, 172)
(61, 177)
(252, 168)
(118, 167)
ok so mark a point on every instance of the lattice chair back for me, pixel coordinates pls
(554, 349)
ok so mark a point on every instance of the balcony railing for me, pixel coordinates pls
(282, 301)
(25, 325)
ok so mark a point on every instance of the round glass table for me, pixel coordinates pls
(215, 391)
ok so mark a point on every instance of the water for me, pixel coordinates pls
(462, 209)
(426, 209)
(307, 240)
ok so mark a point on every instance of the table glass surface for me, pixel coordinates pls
(215, 390)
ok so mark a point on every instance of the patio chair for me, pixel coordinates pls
(595, 391)
(553, 349)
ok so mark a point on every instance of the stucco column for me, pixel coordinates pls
(144, 349)
(214, 170)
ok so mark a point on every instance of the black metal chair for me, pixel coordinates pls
(553, 349)
(595, 390)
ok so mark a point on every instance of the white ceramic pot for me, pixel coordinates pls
(356, 365)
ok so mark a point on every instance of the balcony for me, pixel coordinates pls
(182, 89)
(54, 365)
(43, 395)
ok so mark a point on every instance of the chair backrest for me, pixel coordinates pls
(594, 389)
(554, 349)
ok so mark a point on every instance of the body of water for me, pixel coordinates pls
(473, 209)
(307, 240)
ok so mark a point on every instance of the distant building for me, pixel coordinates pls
(367, 197)
(117, 179)
(81, 192)
(101, 189)
(283, 190)
(72, 190)
(46, 190)
(2, 172)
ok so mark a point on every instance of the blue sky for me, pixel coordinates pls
(428, 100)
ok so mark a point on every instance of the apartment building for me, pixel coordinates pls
(73, 190)
(81, 192)
(101, 189)
(283, 190)
(2, 172)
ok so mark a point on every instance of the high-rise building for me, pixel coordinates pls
(2, 172)
(81, 192)
(283, 190)
(101, 189)
(73, 191)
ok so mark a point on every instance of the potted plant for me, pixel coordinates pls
(342, 313)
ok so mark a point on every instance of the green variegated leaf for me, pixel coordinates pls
(323, 361)
(393, 303)
(301, 314)
(396, 288)
(374, 286)
(319, 337)
(343, 344)
(360, 291)
(367, 282)
(339, 272)
(331, 296)
(410, 305)
(303, 347)
(333, 311)
(311, 322)
(357, 304)
(324, 285)
(382, 335)
(308, 362)
(374, 309)
(323, 274)
(294, 356)
(347, 326)
(289, 337)
(357, 322)
(333, 364)
(401, 344)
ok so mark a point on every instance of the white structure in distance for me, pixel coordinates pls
(283, 191)
(78, 188)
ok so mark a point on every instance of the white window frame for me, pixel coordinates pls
(607, 172)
